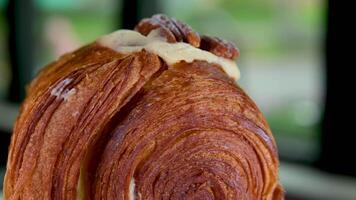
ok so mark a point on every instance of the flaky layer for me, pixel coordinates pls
(67, 109)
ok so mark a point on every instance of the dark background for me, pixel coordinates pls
(296, 63)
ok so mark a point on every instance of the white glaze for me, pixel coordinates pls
(128, 41)
(60, 92)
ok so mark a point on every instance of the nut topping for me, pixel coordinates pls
(175, 31)
(219, 47)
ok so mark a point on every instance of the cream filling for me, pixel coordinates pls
(128, 41)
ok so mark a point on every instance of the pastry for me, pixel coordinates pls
(153, 113)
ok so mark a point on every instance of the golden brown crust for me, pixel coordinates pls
(128, 124)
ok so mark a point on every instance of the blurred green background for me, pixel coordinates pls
(282, 64)
(280, 43)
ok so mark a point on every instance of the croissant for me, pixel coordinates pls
(153, 113)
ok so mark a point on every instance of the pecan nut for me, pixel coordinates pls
(172, 29)
(175, 31)
(219, 47)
